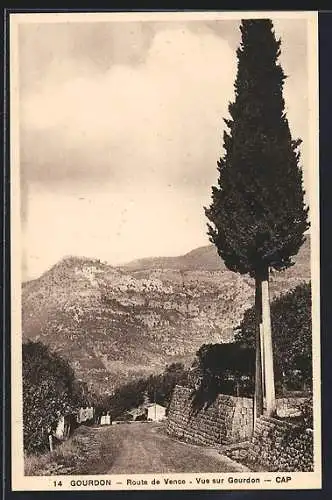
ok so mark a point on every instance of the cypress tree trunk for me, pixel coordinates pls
(258, 400)
(268, 349)
(262, 358)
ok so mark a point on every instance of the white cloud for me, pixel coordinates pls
(138, 143)
(150, 129)
(139, 120)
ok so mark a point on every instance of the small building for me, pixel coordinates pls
(106, 419)
(85, 415)
(156, 412)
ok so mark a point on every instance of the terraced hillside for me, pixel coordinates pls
(117, 323)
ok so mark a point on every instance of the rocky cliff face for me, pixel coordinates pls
(114, 324)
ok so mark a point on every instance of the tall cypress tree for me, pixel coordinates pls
(257, 214)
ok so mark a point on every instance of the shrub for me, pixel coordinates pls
(291, 336)
(221, 368)
(307, 413)
(157, 388)
(49, 391)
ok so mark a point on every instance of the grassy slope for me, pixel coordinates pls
(87, 451)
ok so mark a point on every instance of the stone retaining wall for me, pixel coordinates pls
(227, 420)
(289, 407)
(277, 444)
(280, 446)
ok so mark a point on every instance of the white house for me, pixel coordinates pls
(105, 419)
(85, 414)
(156, 412)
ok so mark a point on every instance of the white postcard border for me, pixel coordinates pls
(299, 480)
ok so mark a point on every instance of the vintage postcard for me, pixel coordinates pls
(165, 251)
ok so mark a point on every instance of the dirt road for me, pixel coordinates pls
(135, 448)
(145, 448)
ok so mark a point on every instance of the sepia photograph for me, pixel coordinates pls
(165, 251)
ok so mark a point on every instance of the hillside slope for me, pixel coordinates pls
(202, 258)
(117, 323)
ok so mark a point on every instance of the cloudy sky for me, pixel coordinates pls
(120, 130)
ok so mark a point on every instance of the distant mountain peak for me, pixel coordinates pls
(71, 262)
(202, 258)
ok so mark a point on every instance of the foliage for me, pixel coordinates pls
(307, 418)
(49, 390)
(127, 396)
(141, 417)
(229, 368)
(160, 387)
(155, 388)
(257, 213)
(85, 451)
(222, 368)
(291, 336)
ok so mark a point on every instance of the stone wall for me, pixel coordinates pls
(280, 446)
(289, 407)
(227, 420)
(276, 445)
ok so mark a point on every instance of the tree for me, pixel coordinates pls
(221, 369)
(257, 217)
(158, 388)
(49, 391)
(127, 397)
(292, 336)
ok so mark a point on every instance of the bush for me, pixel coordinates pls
(307, 413)
(291, 336)
(229, 368)
(49, 391)
(156, 388)
(142, 417)
(221, 368)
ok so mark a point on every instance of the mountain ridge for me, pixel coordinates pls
(204, 257)
(118, 323)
